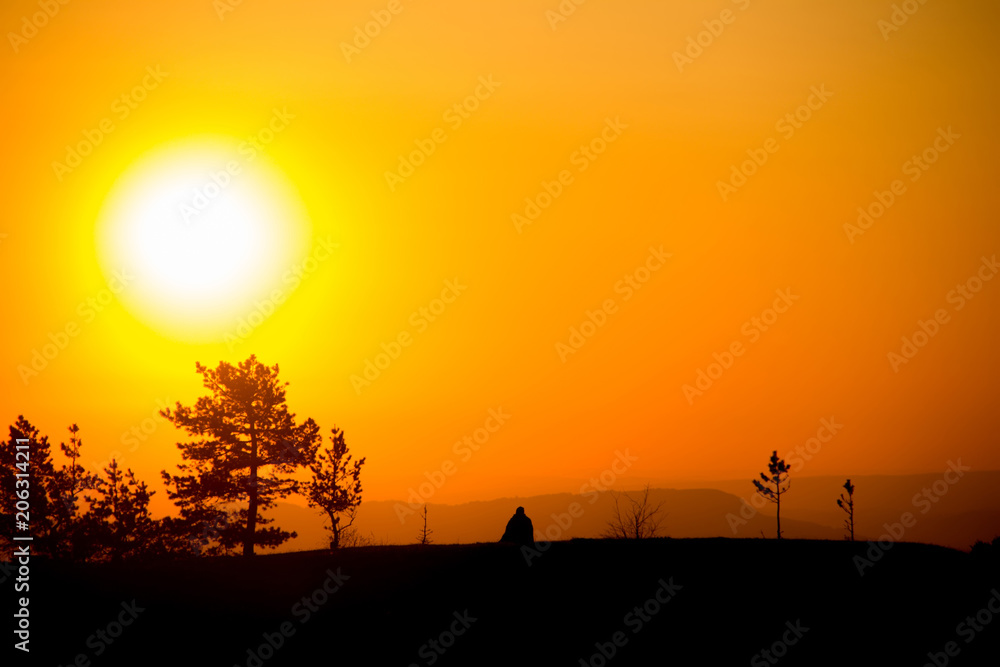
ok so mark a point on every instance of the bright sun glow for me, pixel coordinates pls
(201, 231)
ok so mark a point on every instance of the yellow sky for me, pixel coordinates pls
(634, 141)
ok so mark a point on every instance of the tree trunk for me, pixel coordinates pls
(335, 524)
(252, 506)
(779, 513)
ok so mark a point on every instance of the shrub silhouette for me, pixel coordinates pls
(987, 552)
(635, 519)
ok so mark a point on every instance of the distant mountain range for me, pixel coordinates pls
(950, 514)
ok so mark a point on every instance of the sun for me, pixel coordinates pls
(199, 230)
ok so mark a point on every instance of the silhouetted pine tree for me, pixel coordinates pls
(847, 504)
(335, 487)
(119, 523)
(776, 485)
(71, 481)
(246, 442)
(53, 515)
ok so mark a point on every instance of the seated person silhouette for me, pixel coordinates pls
(519, 529)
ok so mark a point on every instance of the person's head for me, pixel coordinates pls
(520, 510)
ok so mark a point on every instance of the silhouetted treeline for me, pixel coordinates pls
(246, 444)
(71, 513)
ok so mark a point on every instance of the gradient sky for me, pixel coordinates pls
(887, 96)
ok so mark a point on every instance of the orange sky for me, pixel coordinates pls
(663, 131)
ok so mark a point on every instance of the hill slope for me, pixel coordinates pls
(712, 601)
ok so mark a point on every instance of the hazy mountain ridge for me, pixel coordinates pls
(967, 511)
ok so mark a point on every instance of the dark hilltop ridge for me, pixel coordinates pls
(712, 601)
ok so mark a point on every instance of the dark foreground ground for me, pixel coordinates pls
(700, 602)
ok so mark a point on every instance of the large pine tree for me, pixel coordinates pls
(246, 445)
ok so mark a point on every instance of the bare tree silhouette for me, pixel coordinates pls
(776, 485)
(352, 537)
(634, 518)
(424, 536)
